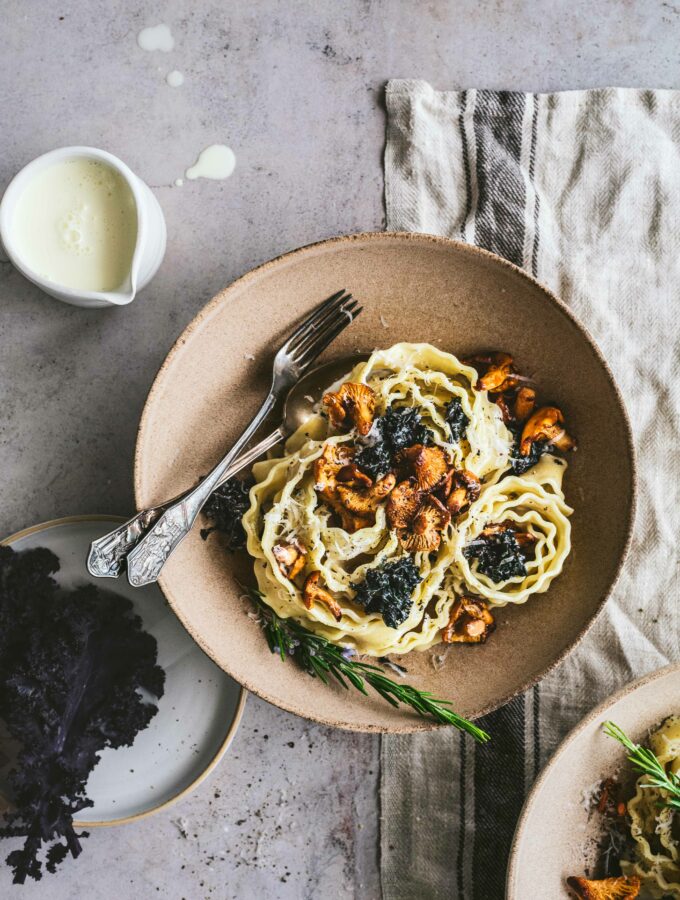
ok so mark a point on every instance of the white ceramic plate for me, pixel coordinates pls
(197, 716)
(555, 836)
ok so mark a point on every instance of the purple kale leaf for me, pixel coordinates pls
(225, 510)
(73, 666)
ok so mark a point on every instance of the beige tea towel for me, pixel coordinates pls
(582, 189)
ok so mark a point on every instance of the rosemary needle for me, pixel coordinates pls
(322, 659)
(645, 762)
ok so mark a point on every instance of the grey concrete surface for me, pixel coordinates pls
(295, 88)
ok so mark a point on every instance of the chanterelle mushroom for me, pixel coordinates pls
(499, 373)
(352, 401)
(312, 593)
(506, 525)
(428, 465)
(545, 426)
(347, 490)
(334, 459)
(605, 888)
(418, 516)
(403, 504)
(290, 557)
(352, 474)
(335, 463)
(465, 487)
(470, 622)
(525, 401)
(364, 500)
(526, 540)
(424, 532)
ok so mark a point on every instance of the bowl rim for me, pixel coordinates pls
(377, 237)
(563, 746)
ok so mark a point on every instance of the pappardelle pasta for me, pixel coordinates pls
(425, 492)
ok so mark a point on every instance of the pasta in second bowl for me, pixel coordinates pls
(593, 825)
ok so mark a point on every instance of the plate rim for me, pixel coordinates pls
(238, 711)
(571, 736)
(410, 726)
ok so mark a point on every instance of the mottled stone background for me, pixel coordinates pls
(295, 88)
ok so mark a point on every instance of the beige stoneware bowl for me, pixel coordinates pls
(413, 288)
(556, 837)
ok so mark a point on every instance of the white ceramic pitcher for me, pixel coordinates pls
(151, 232)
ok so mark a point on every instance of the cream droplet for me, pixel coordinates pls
(175, 78)
(179, 182)
(216, 161)
(157, 37)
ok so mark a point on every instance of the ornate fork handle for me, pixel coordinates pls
(148, 557)
(146, 560)
(107, 554)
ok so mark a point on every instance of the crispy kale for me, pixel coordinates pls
(375, 460)
(400, 427)
(71, 668)
(519, 464)
(387, 590)
(225, 510)
(456, 419)
(498, 555)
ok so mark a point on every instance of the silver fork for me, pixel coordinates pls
(149, 545)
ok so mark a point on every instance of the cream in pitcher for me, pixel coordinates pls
(75, 224)
(79, 224)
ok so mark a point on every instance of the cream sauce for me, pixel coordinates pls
(75, 224)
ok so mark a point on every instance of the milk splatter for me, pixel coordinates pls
(157, 37)
(216, 161)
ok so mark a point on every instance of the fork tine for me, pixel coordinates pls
(317, 313)
(338, 314)
(345, 313)
(329, 336)
(316, 323)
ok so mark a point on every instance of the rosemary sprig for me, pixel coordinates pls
(645, 762)
(321, 659)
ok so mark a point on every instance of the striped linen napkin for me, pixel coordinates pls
(582, 189)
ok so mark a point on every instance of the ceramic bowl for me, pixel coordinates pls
(413, 288)
(556, 834)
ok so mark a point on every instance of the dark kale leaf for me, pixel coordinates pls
(225, 509)
(375, 460)
(498, 556)
(456, 419)
(400, 427)
(519, 464)
(71, 667)
(387, 590)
